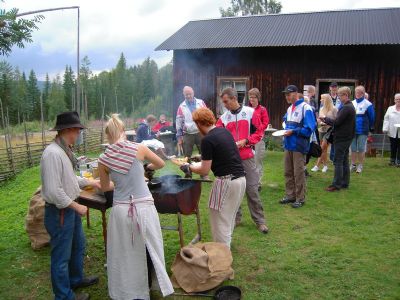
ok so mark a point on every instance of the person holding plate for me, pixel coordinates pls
(299, 123)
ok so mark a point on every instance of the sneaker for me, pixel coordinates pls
(359, 169)
(353, 168)
(315, 169)
(286, 200)
(263, 228)
(324, 169)
(298, 203)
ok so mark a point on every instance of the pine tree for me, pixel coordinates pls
(45, 96)
(56, 99)
(33, 97)
(69, 87)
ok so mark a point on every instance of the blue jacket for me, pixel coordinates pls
(365, 116)
(301, 120)
(144, 133)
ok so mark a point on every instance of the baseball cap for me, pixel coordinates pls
(290, 89)
(333, 84)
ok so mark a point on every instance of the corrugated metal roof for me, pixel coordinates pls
(346, 27)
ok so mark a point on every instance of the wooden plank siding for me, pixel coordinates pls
(271, 69)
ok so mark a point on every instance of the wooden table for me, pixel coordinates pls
(93, 200)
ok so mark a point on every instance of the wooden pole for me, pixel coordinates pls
(9, 152)
(103, 103)
(28, 147)
(42, 122)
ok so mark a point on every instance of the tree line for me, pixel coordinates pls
(133, 91)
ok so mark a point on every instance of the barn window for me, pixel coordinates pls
(240, 84)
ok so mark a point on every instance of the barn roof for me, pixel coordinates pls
(345, 27)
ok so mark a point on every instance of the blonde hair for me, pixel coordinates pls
(345, 90)
(327, 105)
(115, 127)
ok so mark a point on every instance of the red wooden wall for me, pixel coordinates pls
(271, 69)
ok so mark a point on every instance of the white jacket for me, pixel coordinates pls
(392, 117)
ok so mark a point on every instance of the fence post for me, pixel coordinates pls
(42, 122)
(9, 148)
(28, 146)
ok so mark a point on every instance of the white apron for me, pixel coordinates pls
(130, 230)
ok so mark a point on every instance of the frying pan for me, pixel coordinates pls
(227, 292)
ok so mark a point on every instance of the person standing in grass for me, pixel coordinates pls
(330, 111)
(391, 118)
(186, 131)
(343, 134)
(60, 188)
(299, 124)
(262, 121)
(333, 92)
(134, 240)
(239, 120)
(220, 154)
(365, 119)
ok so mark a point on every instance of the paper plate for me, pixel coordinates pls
(279, 133)
(397, 125)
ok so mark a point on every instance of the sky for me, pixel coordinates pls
(134, 27)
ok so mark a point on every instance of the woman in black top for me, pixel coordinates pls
(220, 154)
(343, 133)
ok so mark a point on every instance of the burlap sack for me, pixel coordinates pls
(34, 222)
(202, 267)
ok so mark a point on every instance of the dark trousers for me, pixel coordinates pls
(341, 163)
(189, 140)
(395, 150)
(67, 242)
(332, 153)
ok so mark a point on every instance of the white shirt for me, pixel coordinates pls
(392, 117)
(60, 185)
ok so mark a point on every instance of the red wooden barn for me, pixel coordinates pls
(269, 52)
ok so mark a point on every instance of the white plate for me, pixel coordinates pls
(279, 133)
(397, 125)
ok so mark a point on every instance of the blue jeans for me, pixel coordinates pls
(67, 242)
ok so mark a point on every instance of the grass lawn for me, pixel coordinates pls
(343, 245)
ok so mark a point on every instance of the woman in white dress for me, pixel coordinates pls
(133, 227)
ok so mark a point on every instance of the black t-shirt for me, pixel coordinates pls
(219, 146)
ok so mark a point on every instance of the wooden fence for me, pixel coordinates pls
(16, 158)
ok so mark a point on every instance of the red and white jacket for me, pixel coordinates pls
(242, 124)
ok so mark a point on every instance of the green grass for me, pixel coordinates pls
(342, 245)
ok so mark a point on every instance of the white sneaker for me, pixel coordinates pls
(315, 169)
(353, 168)
(359, 169)
(324, 169)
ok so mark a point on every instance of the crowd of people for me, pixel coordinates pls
(232, 148)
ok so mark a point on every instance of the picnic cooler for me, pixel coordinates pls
(34, 222)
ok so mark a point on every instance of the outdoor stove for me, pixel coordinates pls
(179, 196)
